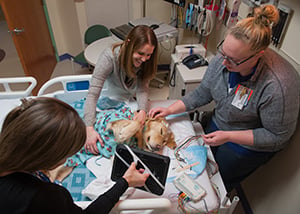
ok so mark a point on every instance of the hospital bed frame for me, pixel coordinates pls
(76, 87)
(10, 93)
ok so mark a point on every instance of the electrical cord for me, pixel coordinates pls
(173, 75)
(168, 40)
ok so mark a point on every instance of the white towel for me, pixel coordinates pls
(101, 168)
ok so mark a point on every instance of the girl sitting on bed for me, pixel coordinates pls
(38, 136)
(126, 69)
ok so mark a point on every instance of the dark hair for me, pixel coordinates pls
(39, 134)
(256, 30)
(136, 39)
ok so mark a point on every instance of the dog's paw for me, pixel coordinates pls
(123, 130)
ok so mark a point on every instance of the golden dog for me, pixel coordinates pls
(154, 136)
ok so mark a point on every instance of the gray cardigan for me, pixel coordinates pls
(272, 110)
(108, 70)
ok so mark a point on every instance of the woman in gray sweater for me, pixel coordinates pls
(257, 98)
(126, 69)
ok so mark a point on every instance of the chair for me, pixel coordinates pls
(92, 34)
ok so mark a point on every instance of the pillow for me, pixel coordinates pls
(192, 155)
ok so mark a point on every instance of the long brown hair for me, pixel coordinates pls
(39, 134)
(136, 39)
(256, 30)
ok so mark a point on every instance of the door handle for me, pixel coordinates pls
(17, 31)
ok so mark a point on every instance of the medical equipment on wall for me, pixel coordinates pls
(180, 3)
(259, 2)
(222, 9)
(279, 29)
(206, 19)
(202, 18)
(233, 17)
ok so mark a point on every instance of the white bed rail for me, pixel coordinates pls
(154, 205)
(9, 93)
(70, 83)
(71, 88)
(145, 205)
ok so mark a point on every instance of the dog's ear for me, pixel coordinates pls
(160, 119)
(171, 141)
(139, 137)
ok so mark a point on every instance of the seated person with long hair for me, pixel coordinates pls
(38, 136)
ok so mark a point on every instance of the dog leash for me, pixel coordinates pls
(146, 169)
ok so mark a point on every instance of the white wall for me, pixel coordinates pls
(82, 18)
(159, 10)
(290, 45)
(64, 23)
(107, 12)
(69, 19)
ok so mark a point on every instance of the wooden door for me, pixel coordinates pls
(33, 42)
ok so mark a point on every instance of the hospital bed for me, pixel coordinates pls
(73, 88)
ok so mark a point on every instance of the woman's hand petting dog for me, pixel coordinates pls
(141, 116)
(91, 140)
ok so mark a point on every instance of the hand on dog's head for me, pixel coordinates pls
(156, 134)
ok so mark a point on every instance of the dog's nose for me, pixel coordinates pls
(156, 148)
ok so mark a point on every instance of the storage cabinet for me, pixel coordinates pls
(183, 79)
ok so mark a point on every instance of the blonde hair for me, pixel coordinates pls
(136, 39)
(39, 134)
(256, 30)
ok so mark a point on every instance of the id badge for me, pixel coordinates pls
(241, 97)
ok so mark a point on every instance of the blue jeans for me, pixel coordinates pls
(235, 162)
